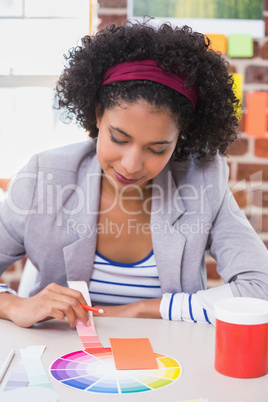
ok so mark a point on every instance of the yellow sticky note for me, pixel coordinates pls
(238, 90)
(218, 42)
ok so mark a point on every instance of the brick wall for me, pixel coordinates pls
(247, 157)
(112, 12)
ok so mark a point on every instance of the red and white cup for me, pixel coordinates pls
(241, 341)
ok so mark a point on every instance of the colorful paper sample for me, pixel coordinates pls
(18, 378)
(34, 367)
(5, 363)
(240, 45)
(218, 42)
(87, 335)
(238, 91)
(29, 371)
(89, 338)
(133, 354)
(96, 373)
(94, 370)
(256, 116)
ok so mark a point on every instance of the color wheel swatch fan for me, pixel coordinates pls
(93, 369)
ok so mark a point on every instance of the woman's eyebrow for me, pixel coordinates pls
(150, 143)
(121, 131)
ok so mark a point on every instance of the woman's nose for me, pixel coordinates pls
(132, 161)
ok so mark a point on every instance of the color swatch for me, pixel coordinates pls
(29, 370)
(238, 91)
(94, 369)
(34, 368)
(240, 45)
(97, 373)
(133, 354)
(87, 334)
(89, 338)
(218, 42)
(18, 378)
(256, 116)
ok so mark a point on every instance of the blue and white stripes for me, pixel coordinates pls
(116, 283)
(197, 308)
(182, 307)
(5, 289)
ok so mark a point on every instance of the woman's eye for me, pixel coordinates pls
(158, 152)
(113, 139)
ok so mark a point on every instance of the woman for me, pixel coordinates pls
(134, 210)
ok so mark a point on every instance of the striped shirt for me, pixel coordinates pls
(5, 289)
(116, 283)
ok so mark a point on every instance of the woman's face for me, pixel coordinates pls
(135, 143)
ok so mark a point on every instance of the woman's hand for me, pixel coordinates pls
(148, 308)
(54, 301)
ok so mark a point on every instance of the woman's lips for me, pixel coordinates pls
(123, 179)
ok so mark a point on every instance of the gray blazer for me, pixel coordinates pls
(51, 215)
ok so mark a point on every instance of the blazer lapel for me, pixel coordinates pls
(79, 255)
(168, 242)
(79, 258)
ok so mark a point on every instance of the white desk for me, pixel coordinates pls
(192, 345)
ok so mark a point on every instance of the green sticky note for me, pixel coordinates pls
(240, 45)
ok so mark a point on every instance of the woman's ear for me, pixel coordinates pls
(98, 118)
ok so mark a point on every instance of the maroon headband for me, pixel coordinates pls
(148, 70)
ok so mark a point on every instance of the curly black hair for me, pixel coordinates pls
(207, 129)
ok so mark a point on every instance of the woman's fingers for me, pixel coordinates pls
(65, 302)
(57, 289)
(53, 301)
(61, 310)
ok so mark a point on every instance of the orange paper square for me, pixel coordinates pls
(133, 354)
(256, 116)
(218, 42)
